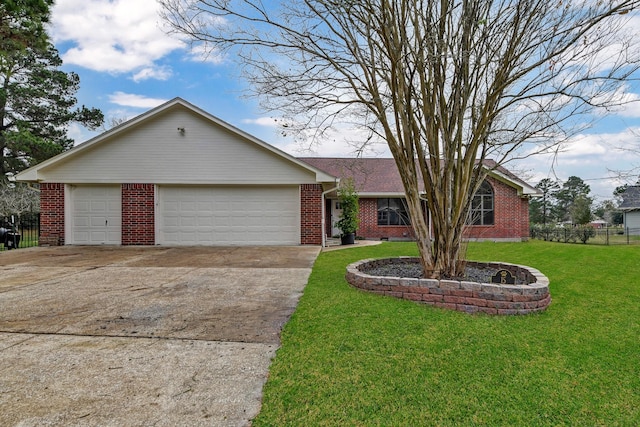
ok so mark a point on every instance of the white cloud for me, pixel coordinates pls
(631, 106)
(623, 101)
(77, 132)
(599, 159)
(262, 121)
(137, 101)
(205, 53)
(583, 146)
(340, 141)
(115, 36)
(157, 73)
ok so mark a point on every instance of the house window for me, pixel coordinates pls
(482, 206)
(393, 212)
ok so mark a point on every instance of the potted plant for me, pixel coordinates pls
(348, 221)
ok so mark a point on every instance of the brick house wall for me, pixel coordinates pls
(52, 214)
(369, 228)
(511, 216)
(138, 214)
(311, 214)
(511, 219)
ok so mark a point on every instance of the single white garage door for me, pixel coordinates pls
(96, 215)
(228, 216)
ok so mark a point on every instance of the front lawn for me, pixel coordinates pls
(350, 358)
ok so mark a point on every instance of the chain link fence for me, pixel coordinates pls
(588, 235)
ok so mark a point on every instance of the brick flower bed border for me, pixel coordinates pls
(530, 294)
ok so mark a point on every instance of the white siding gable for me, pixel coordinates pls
(156, 151)
(632, 220)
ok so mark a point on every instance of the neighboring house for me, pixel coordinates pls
(630, 207)
(501, 207)
(178, 176)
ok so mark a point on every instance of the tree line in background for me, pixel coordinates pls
(570, 203)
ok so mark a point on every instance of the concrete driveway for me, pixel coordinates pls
(141, 336)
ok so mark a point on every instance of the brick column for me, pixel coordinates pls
(311, 226)
(52, 214)
(138, 214)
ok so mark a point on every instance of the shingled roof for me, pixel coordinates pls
(370, 175)
(631, 198)
(373, 176)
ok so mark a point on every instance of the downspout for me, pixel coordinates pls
(324, 214)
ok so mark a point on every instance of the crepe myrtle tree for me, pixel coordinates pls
(445, 84)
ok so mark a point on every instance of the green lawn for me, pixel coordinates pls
(350, 358)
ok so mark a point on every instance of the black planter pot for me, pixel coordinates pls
(348, 239)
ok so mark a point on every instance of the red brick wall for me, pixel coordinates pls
(138, 214)
(511, 215)
(370, 229)
(311, 214)
(52, 214)
(511, 218)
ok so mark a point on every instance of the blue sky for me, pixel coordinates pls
(128, 65)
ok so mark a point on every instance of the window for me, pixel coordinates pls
(482, 206)
(393, 212)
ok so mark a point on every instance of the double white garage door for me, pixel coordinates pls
(190, 215)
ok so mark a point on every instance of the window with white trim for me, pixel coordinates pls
(482, 211)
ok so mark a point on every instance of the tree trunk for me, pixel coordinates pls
(421, 229)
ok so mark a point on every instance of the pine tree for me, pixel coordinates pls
(37, 99)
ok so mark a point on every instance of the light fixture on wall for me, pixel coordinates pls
(181, 130)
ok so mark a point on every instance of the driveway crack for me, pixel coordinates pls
(16, 343)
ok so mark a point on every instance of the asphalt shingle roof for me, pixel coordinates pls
(370, 175)
(379, 175)
(631, 198)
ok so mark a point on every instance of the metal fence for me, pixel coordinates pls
(19, 231)
(596, 236)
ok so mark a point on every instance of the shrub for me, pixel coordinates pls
(348, 196)
(585, 232)
(566, 234)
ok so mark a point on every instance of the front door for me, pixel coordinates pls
(336, 211)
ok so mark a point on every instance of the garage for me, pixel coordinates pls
(219, 215)
(178, 176)
(95, 216)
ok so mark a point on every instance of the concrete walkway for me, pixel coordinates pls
(357, 244)
(137, 336)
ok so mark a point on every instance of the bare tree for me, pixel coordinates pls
(112, 122)
(17, 199)
(446, 84)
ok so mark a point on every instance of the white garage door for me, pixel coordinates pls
(96, 215)
(228, 216)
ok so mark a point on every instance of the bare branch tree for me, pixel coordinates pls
(445, 84)
(17, 199)
(112, 122)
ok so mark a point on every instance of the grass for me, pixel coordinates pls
(350, 358)
(27, 240)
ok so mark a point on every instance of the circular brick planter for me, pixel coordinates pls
(530, 294)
